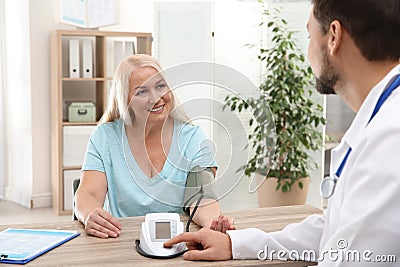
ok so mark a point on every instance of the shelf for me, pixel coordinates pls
(65, 212)
(65, 89)
(67, 79)
(71, 168)
(91, 33)
(89, 123)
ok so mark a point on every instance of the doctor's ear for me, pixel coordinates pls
(335, 35)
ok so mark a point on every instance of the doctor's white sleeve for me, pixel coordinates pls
(290, 243)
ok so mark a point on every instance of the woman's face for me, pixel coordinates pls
(149, 96)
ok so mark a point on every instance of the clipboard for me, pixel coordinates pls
(19, 246)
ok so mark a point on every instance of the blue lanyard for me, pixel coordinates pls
(384, 96)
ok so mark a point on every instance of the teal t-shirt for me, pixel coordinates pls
(130, 191)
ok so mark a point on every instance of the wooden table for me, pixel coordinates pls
(91, 251)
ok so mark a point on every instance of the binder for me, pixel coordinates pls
(129, 48)
(73, 58)
(119, 53)
(110, 58)
(20, 246)
(87, 59)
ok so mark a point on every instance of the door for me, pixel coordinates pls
(183, 34)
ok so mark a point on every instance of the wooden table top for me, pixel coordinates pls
(91, 251)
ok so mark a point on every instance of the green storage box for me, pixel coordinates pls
(82, 112)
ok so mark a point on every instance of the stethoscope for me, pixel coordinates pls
(328, 184)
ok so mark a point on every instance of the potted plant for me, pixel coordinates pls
(286, 90)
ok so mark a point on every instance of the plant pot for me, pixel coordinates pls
(269, 197)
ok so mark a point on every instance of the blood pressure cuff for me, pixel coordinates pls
(200, 182)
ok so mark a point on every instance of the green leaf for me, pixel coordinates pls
(283, 139)
(301, 185)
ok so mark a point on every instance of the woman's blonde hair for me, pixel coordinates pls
(118, 99)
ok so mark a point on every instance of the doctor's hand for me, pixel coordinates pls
(102, 224)
(205, 244)
(220, 224)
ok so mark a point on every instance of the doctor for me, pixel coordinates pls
(354, 51)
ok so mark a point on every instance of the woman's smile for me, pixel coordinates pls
(157, 110)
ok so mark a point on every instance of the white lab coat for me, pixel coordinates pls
(363, 215)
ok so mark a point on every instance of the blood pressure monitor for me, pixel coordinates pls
(157, 228)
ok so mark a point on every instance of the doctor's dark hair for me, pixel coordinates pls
(374, 25)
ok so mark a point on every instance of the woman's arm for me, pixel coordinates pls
(208, 214)
(89, 201)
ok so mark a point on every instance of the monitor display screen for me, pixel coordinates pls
(163, 230)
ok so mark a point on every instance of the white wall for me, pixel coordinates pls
(28, 94)
(134, 16)
(233, 30)
(42, 23)
(17, 107)
(2, 100)
(27, 106)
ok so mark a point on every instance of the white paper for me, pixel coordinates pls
(22, 244)
(89, 13)
(101, 13)
(74, 12)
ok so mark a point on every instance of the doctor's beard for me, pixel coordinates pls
(328, 78)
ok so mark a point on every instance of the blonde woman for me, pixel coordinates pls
(139, 158)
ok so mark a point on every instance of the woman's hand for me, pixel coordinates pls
(220, 224)
(102, 224)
